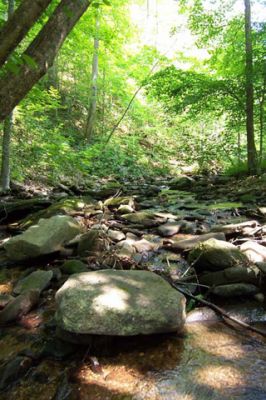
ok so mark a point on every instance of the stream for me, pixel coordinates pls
(211, 360)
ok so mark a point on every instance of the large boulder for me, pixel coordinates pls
(119, 303)
(215, 255)
(47, 236)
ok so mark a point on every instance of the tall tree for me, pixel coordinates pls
(7, 131)
(94, 78)
(40, 55)
(251, 147)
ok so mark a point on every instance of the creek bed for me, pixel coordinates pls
(210, 361)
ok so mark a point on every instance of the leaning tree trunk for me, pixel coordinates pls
(94, 77)
(251, 147)
(7, 131)
(17, 26)
(41, 52)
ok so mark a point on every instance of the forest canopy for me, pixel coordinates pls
(122, 87)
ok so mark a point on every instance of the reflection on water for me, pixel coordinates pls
(211, 361)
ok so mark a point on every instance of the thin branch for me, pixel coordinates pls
(220, 311)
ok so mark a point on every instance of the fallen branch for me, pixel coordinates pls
(220, 311)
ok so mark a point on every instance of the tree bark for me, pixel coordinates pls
(94, 77)
(15, 29)
(251, 147)
(262, 115)
(7, 131)
(43, 50)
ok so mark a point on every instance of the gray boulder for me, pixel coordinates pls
(119, 303)
(215, 255)
(46, 237)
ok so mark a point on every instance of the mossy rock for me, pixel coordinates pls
(62, 207)
(145, 218)
(73, 267)
(119, 303)
(215, 255)
(117, 201)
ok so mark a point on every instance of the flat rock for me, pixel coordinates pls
(21, 305)
(230, 275)
(120, 201)
(215, 255)
(119, 303)
(145, 218)
(254, 251)
(116, 236)
(189, 244)
(144, 245)
(235, 289)
(170, 228)
(230, 229)
(38, 280)
(46, 237)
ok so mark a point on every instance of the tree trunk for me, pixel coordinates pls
(251, 147)
(43, 50)
(262, 115)
(7, 131)
(16, 28)
(94, 77)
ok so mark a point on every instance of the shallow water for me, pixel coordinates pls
(211, 361)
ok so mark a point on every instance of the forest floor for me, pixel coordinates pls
(152, 225)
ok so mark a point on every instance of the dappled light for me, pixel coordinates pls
(132, 200)
(115, 298)
(217, 377)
